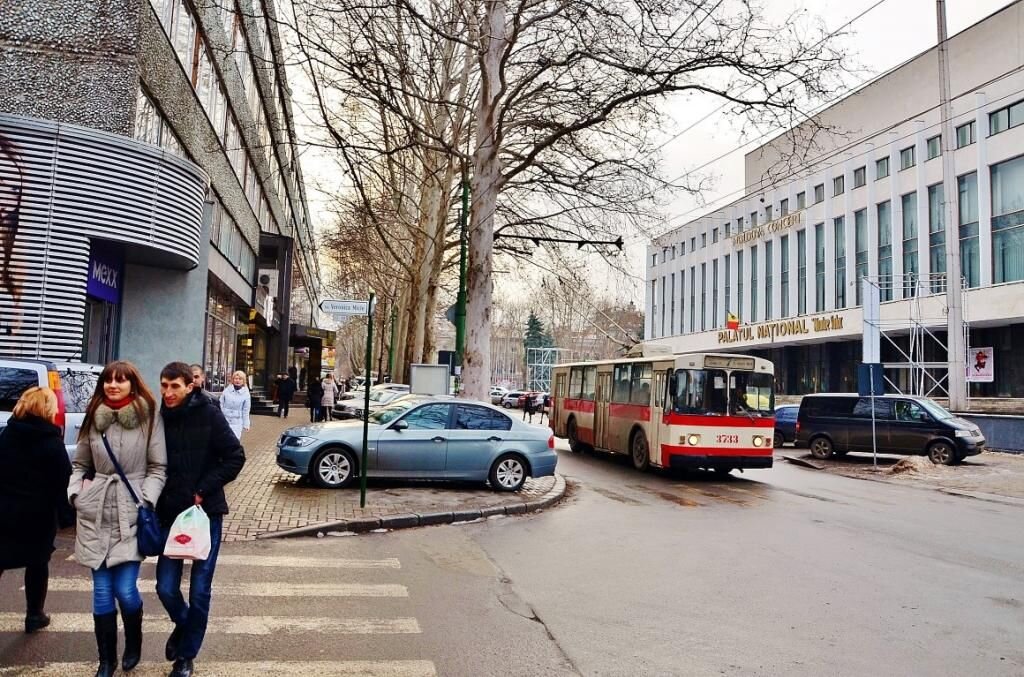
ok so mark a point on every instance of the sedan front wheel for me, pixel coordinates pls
(508, 473)
(332, 469)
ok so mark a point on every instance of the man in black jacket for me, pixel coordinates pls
(285, 393)
(203, 455)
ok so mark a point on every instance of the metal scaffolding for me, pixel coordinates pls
(539, 362)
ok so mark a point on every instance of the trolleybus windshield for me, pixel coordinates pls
(751, 394)
(716, 392)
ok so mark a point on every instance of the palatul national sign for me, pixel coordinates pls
(769, 331)
(768, 229)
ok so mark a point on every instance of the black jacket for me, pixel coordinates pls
(34, 474)
(314, 393)
(285, 390)
(203, 455)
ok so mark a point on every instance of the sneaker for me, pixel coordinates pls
(34, 622)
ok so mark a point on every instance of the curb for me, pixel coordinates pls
(409, 520)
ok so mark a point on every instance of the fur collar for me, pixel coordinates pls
(126, 416)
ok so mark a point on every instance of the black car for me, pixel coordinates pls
(902, 424)
(785, 424)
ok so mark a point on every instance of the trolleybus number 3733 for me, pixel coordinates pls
(728, 439)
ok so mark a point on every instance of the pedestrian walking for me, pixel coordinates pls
(330, 389)
(34, 474)
(120, 423)
(235, 403)
(545, 402)
(285, 393)
(314, 394)
(528, 406)
(203, 455)
(199, 380)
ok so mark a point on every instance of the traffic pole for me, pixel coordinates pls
(460, 299)
(366, 402)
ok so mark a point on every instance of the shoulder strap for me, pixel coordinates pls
(120, 471)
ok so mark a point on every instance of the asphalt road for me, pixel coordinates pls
(777, 572)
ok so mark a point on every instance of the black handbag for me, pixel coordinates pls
(148, 533)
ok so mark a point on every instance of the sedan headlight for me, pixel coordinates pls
(964, 433)
(299, 441)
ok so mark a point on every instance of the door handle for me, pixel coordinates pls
(494, 438)
(438, 439)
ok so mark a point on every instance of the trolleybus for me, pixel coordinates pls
(697, 410)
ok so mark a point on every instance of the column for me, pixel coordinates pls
(896, 216)
(924, 265)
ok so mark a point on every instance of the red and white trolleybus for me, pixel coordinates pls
(696, 410)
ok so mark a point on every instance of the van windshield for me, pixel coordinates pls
(936, 410)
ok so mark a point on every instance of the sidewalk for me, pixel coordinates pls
(265, 499)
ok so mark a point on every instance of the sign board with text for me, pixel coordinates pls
(342, 307)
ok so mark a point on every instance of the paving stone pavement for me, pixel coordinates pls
(266, 499)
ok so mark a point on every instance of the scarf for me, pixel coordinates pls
(119, 404)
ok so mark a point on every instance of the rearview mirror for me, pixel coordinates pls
(400, 425)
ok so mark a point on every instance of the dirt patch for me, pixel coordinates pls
(911, 464)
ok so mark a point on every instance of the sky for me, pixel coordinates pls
(887, 35)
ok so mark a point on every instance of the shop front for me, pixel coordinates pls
(102, 301)
(307, 347)
(226, 330)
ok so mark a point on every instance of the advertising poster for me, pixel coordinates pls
(981, 365)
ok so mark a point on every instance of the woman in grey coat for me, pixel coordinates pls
(123, 409)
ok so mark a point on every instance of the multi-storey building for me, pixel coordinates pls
(153, 204)
(787, 258)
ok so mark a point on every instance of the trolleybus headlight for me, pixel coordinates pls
(758, 441)
(693, 440)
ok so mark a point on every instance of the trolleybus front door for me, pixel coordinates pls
(604, 393)
(555, 415)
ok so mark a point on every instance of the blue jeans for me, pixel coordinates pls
(120, 582)
(191, 617)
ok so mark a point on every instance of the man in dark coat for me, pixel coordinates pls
(203, 455)
(285, 393)
(314, 393)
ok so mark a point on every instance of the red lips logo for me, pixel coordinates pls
(183, 538)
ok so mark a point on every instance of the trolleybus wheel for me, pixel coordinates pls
(639, 451)
(723, 472)
(574, 438)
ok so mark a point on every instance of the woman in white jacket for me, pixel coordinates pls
(329, 396)
(235, 403)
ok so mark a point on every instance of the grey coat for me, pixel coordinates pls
(107, 516)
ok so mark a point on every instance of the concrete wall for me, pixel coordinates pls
(1002, 433)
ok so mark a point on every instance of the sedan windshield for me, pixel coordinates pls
(392, 411)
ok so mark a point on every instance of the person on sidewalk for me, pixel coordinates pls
(285, 393)
(34, 474)
(314, 394)
(330, 389)
(235, 403)
(122, 414)
(203, 455)
(199, 380)
(528, 406)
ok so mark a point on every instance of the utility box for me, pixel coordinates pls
(429, 379)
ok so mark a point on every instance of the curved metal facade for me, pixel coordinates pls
(62, 186)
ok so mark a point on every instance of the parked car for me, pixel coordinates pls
(360, 393)
(785, 424)
(78, 379)
(511, 399)
(354, 408)
(421, 437)
(837, 424)
(18, 375)
(496, 394)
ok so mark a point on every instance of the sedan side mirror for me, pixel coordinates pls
(400, 425)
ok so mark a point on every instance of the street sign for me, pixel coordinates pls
(344, 307)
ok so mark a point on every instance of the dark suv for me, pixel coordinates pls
(837, 424)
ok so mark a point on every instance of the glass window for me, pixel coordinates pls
(839, 232)
(784, 272)
(783, 207)
(751, 394)
(703, 296)
(860, 176)
(934, 147)
(429, 417)
(753, 284)
(768, 246)
(999, 121)
(183, 35)
(1008, 221)
(739, 225)
(728, 284)
(819, 267)
(589, 383)
(908, 410)
(703, 240)
(753, 219)
(147, 120)
(907, 158)
(641, 384)
(860, 241)
(910, 264)
(714, 235)
(970, 254)
(881, 168)
(936, 238)
(728, 228)
(654, 260)
(13, 382)
(885, 282)
(801, 272)
(693, 304)
(714, 294)
(620, 387)
(819, 193)
(78, 387)
(700, 392)
(739, 285)
(470, 417)
(575, 382)
(965, 134)
(801, 200)
(882, 407)
(838, 185)
(693, 244)
(767, 213)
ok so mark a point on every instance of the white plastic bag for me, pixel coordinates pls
(190, 535)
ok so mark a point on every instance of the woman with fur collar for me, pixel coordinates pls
(235, 403)
(122, 410)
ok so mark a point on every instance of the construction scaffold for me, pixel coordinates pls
(539, 362)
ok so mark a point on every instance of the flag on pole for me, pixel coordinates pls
(731, 321)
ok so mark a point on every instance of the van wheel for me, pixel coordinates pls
(942, 453)
(639, 451)
(821, 448)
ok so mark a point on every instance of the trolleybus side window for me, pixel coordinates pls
(575, 382)
(700, 391)
(659, 389)
(641, 385)
(751, 393)
(589, 382)
(620, 389)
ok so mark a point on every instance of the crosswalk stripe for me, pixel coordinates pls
(246, 669)
(271, 589)
(295, 562)
(236, 625)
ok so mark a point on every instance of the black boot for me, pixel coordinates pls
(106, 642)
(37, 579)
(182, 668)
(132, 638)
(171, 648)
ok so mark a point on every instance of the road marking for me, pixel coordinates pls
(295, 562)
(272, 589)
(245, 669)
(237, 625)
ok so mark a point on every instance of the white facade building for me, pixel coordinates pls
(787, 256)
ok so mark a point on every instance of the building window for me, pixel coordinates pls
(860, 176)
(739, 285)
(654, 260)
(819, 267)
(885, 282)
(728, 228)
(910, 264)
(819, 193)
(936, 238)
(714, 235)
(714, 294)
(907, 158)
(970, 252)
(1008, 221)
(703, 240)
(839, 231)
(934, 147)
(703, 296)
(768, 280)
(801, 200)
(728, 284)
(767, 213)
(784, 207)
(693, 244)
(663, 304)
(739, 225)
(801, 272)
(753, 219)
(654, 308)
(753, 284)
(838, 185)
(881, 168)
(965, 134)
(1005, 118)
(693, 304)
(860, 242)
(784, 257)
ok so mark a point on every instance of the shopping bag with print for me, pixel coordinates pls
(190, 535)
